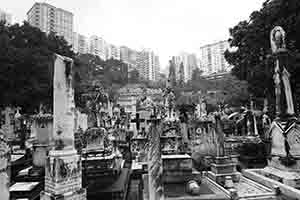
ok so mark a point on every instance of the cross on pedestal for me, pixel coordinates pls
(137, 121)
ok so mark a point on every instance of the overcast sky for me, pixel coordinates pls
(166, 26)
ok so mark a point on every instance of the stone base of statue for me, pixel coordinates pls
(63, 176)
(283, 167)
(223, 167)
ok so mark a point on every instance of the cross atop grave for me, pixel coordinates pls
(138, 121)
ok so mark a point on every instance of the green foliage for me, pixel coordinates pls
(133, 76)
(91, 71)
(252, 60)
(227, 90)
(26, 65)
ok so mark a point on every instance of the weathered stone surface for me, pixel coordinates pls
(63, 168)
(155, 186)
(40, 155)
(63, 172)
(4, 178)
(63, 102)
(77, 195)
(8, 126)
(177, 163)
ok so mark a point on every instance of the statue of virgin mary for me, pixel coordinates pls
(283, 92)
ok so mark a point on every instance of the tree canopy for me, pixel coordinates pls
(91, 71)
(26, 62)
(252, 58)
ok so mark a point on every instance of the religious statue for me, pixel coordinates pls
(277, 37)
(220, 138)
(284, 100)
(266, 121)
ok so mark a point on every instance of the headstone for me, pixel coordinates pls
(9, 122)
(81, 121)
(95, 138)
(203, 136)
(63, 168)
(4, 167)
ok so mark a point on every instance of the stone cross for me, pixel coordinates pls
(137, 121)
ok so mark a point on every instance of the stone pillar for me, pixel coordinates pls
(63, 168)
(63, 102)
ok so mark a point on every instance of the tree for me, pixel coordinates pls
(198, 82)
(26, 60)
(252, 59)
(115, 72)
(196, 74)
(133, 76)
(91, 71)
(88, 72)
(229, 90)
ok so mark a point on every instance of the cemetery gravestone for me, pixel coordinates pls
(4, 166)
(63, 168)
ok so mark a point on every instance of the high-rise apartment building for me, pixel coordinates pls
(98, 46)
(4, 16)
(156, 68)
(113, 51)
(191, 66)
(124, 54)
(189, 62)
(128, 56)
(51, 19)
(212, 57)
(177, 61)
(80, 43)
(148, 65)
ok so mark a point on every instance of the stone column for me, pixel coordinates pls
(63, 167)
